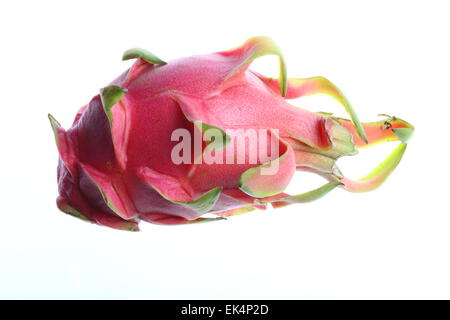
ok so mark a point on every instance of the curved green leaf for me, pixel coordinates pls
(143, 54)
(378, 175)
(204, 203)
(110, 96)
(257, 47)
(308, 196)
(55, 126)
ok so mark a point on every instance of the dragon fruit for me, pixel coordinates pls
(117, 164)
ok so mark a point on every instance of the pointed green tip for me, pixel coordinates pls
(143, 54)
(110, 96)
(67, 209)
(205, 203)
(404, 134)
(378, 175)
(54, 123)
(111, 92)
(131, 227)
(244, 188)
(222, 141)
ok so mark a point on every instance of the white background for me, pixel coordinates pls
(387, 56)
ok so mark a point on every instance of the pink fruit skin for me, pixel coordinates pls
(116, 173)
